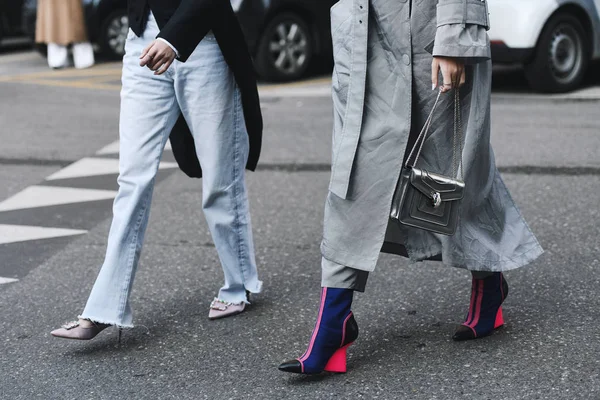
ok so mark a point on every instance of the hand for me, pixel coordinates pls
(453, 73)
(158, 57)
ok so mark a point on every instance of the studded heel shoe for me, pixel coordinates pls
(74, 330)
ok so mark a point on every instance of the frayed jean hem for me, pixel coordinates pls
(105, 322)
(256, 288)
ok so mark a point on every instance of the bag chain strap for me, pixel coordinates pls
(457, 139)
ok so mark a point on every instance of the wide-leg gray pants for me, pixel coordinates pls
(334, 275)
(339, 276)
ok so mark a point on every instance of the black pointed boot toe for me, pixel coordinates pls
(292, 366)
(485, 311)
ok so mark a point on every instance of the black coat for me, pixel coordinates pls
(184, 23)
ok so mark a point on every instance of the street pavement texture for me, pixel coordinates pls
(57, 181)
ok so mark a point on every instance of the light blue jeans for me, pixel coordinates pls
(205, 91)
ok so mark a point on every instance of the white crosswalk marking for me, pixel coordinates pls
(21, 233)
(44, 196)
(94, 167)
(113, 148)
(40, 196)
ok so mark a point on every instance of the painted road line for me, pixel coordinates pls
(4, 281)
(94, 167)
(99, 78)
(32, 215)
(103, 77)
(67, 73)
(45, 196)
(113, 148)
(71, 84)
(59, 77)
(83, 81)
(22, 233)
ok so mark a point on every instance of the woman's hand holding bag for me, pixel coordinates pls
(453, 73)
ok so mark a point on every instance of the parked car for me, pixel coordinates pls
(284, 36)
(554, 39)
(11, 24)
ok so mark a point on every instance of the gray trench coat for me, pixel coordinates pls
(382, 96)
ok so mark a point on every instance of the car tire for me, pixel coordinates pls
(286, 49)
(113, 34)
(561, 56)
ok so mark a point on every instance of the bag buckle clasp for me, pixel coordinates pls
(437, 199)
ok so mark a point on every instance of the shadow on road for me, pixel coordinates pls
(6, 49)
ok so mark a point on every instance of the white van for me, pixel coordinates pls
(554, 39)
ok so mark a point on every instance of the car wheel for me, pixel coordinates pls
(285, 50)
(113, 34)
(561, 57)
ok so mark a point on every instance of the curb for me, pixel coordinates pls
(583, 95)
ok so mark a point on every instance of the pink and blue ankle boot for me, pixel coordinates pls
(335, 330)
(485, 311)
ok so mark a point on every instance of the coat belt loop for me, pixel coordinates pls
(464, 21)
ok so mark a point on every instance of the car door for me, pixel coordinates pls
(11, 17)
(596, 26)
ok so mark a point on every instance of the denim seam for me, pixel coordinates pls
(131, 258)
(134, 244)
(236, 158)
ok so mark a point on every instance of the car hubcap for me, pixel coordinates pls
(566, 53)
(289, 48)
(116, 34)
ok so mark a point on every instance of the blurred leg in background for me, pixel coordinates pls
(60, 24)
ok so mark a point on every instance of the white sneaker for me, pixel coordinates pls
(83, 55)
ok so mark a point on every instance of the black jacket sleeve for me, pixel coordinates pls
(190, 23)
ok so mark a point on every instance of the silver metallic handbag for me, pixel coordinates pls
(427, 200)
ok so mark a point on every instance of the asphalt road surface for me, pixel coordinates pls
(58, 167)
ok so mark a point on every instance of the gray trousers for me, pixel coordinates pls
(334, 275)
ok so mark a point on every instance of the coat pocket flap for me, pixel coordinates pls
(429, 183)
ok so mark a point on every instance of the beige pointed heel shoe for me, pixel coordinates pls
(80, 330)
(223, 309)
